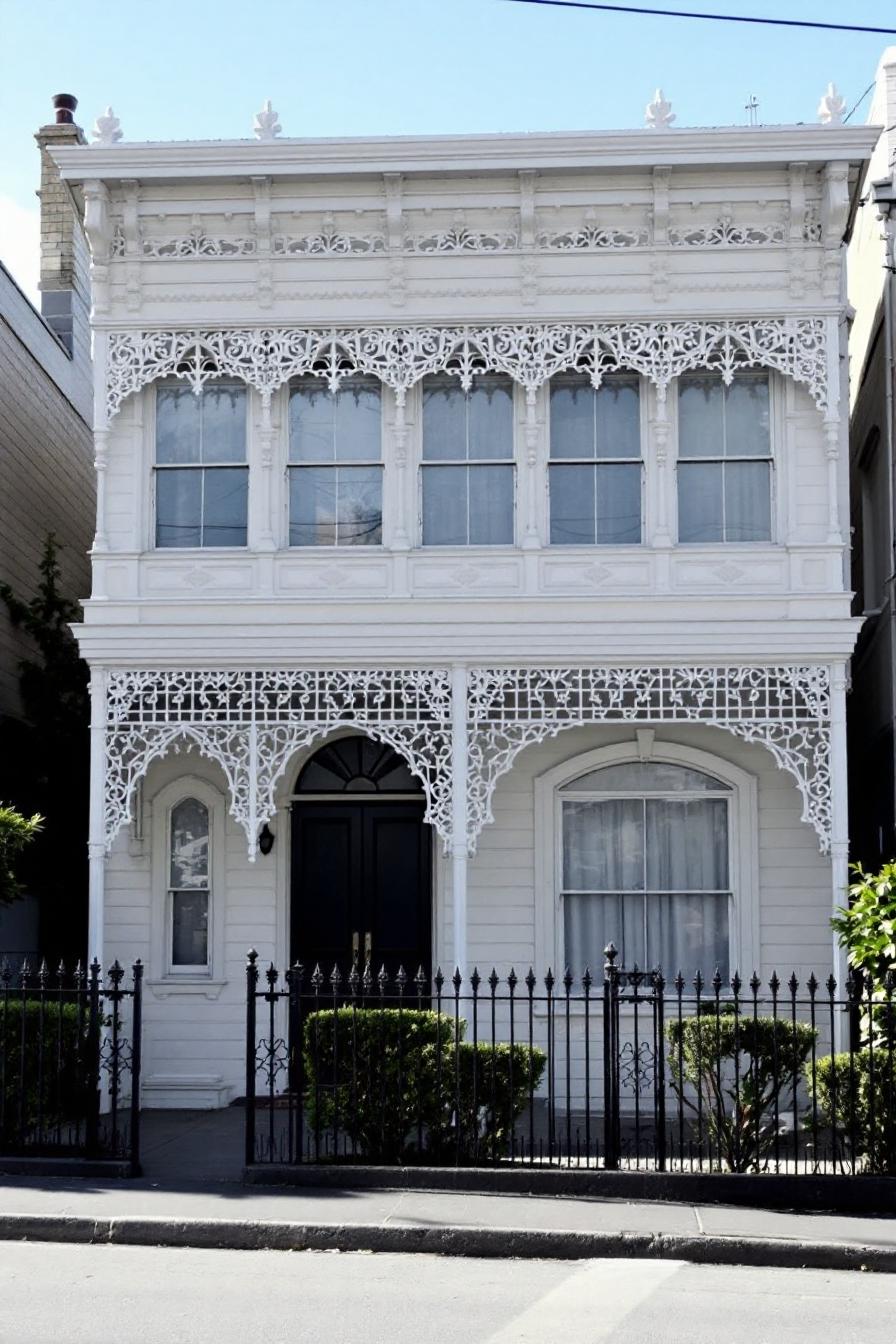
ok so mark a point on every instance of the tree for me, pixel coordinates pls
(16, 832)
(45, 758)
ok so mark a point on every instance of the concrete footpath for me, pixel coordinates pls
(149, 1213)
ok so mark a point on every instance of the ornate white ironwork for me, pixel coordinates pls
(251, 722)
(725, 233)
(461, 239)
(530, 353)
(786, 709)
(590, 238)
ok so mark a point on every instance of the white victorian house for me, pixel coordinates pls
(470, 578)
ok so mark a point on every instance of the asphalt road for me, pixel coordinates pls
(57, 1294)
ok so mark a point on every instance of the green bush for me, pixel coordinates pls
(383, 1077)
(44, 1083)
(844, 1087)
(734, 1070)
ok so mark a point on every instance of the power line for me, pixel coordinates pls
(859, 102)
(719, 18)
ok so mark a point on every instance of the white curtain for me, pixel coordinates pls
(651, 876)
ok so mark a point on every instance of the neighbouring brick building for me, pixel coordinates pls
(46, 453)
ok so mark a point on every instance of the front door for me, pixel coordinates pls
(361, 885)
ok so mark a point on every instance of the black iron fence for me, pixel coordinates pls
(627, 1071)
(70, 1063)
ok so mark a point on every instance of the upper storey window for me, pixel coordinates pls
(595, 466)
(468, 473)
(335, 464)
(201, 476)
(724, 459)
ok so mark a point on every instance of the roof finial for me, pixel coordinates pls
(831, 107)
(107, 128)
(658, 114)
(267, 126)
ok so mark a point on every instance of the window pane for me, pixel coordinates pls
(312, 506)
(444, 421)
(225, 506)
(572, 418)
(603, 845)
(618, 418)
(700, 502)
(189, 941)
(747, 501)
(491, 506)
(357, 422)
(646, 777)
(618, 504)
(310, 423)
(688, 934)
(591, 922)
(178, 507)
(223, 424)
(445, 506)
(700, 432)
(360, 506)
(490, 410)
(177, 425)
(687, 844)
(572, 505)
(189, 844)
(746, 418)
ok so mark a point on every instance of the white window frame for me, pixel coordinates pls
(565, 548)
(776, 437)
(743, 841)
(149, 516)
(164, 972)
(513, 462)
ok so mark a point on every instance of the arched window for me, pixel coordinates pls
(646, 865)
(357, 765)
(189, 884)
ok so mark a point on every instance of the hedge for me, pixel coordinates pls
(399, 1083)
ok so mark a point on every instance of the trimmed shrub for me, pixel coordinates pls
(732, 1070)
(43, 1069)
(394, 1084)
(856, 1099)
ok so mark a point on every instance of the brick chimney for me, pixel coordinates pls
(64, 257)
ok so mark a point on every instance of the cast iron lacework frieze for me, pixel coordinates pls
(529, 353)
(252, 723)
(785, 709)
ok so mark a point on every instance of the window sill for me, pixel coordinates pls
(173, 985)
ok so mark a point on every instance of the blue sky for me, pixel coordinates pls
(200, 69)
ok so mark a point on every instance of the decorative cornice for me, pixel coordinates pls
(529, 353)
(296, 158)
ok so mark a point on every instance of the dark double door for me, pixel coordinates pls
(361, 886)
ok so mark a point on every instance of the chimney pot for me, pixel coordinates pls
(65, 104)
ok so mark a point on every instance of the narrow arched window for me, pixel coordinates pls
(645, 865)
(189, 888)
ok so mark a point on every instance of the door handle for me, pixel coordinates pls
(368, 945)
(356, 945)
